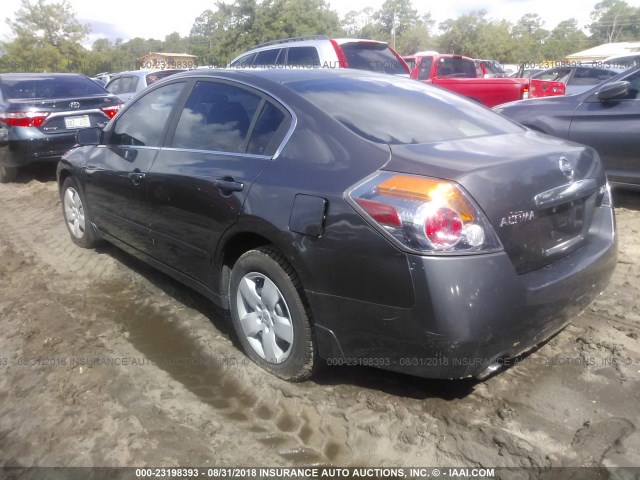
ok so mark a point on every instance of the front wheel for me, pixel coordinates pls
(8, 174)
(76, 216)
(269, 315)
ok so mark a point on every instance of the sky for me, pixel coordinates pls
(128, 19)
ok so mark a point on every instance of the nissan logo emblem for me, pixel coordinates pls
(74, 105)
(566, 168)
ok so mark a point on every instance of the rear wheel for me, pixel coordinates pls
(269, 315)
(75, 215)
(8, 174)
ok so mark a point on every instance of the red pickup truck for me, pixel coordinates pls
(462, 75)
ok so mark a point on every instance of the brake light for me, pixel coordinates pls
(342, 59)
(525, 93)
(23, 119)
(111, 111)
(426, 215)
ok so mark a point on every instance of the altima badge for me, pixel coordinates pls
(566, 168)
(514, 218)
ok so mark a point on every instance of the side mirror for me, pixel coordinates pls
(89, 136)
(613, 90)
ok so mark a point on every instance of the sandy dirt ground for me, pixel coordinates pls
(105, 362)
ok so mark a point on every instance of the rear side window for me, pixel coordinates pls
(48, 87)
(216, 117)
(303, 57)
(401, 111)
(144, 121)
(591, 76)
(267, 57)
(244, 61)
(376, 57)
(269, 131)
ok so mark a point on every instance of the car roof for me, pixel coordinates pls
(282, 75)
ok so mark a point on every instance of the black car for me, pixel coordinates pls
(41, 113)
(606, 118)
(350, 216)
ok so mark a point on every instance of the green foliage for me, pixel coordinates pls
(46, 37)
(614, 21)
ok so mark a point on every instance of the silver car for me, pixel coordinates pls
(127, 85)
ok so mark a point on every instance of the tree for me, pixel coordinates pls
(47, 37)
(614, 21)
(565, 39)
(236, 27)
(530, 34)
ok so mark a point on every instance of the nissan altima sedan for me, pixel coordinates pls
(606, 118)
(348, 217)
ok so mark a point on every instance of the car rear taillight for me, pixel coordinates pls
(525, 93)
(342, 59)
(23, 119)
(111, 111)
(425, 215)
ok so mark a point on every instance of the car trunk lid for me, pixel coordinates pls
(62, 115)
(538, 192)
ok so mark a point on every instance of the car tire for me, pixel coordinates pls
(8, 174)
(270, 315)
(76, 216)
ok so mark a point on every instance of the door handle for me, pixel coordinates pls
(136, 177)
(228, 184)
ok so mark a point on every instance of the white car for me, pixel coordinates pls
(320, 51)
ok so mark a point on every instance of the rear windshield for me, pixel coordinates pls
(376, 57)
(48, 87)
(401, 111)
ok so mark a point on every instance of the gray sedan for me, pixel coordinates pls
(578, 78)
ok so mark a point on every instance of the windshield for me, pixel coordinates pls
(50, 87)
(397, 111)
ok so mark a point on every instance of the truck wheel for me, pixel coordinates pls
(8, 174)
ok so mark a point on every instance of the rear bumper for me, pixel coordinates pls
(24, 145)
(469, 310)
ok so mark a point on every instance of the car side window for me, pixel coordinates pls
(245, 61)
(216, 117)
(269, 131)
(143, 123)
(267, 57)
(591, 76)
(114, 86)
(303, 57)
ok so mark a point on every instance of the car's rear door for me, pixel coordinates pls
(116, 171)
(613, 129)
(221, 140)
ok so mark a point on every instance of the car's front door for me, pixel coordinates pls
(116, 171)
(613, 129)
(223, 138)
